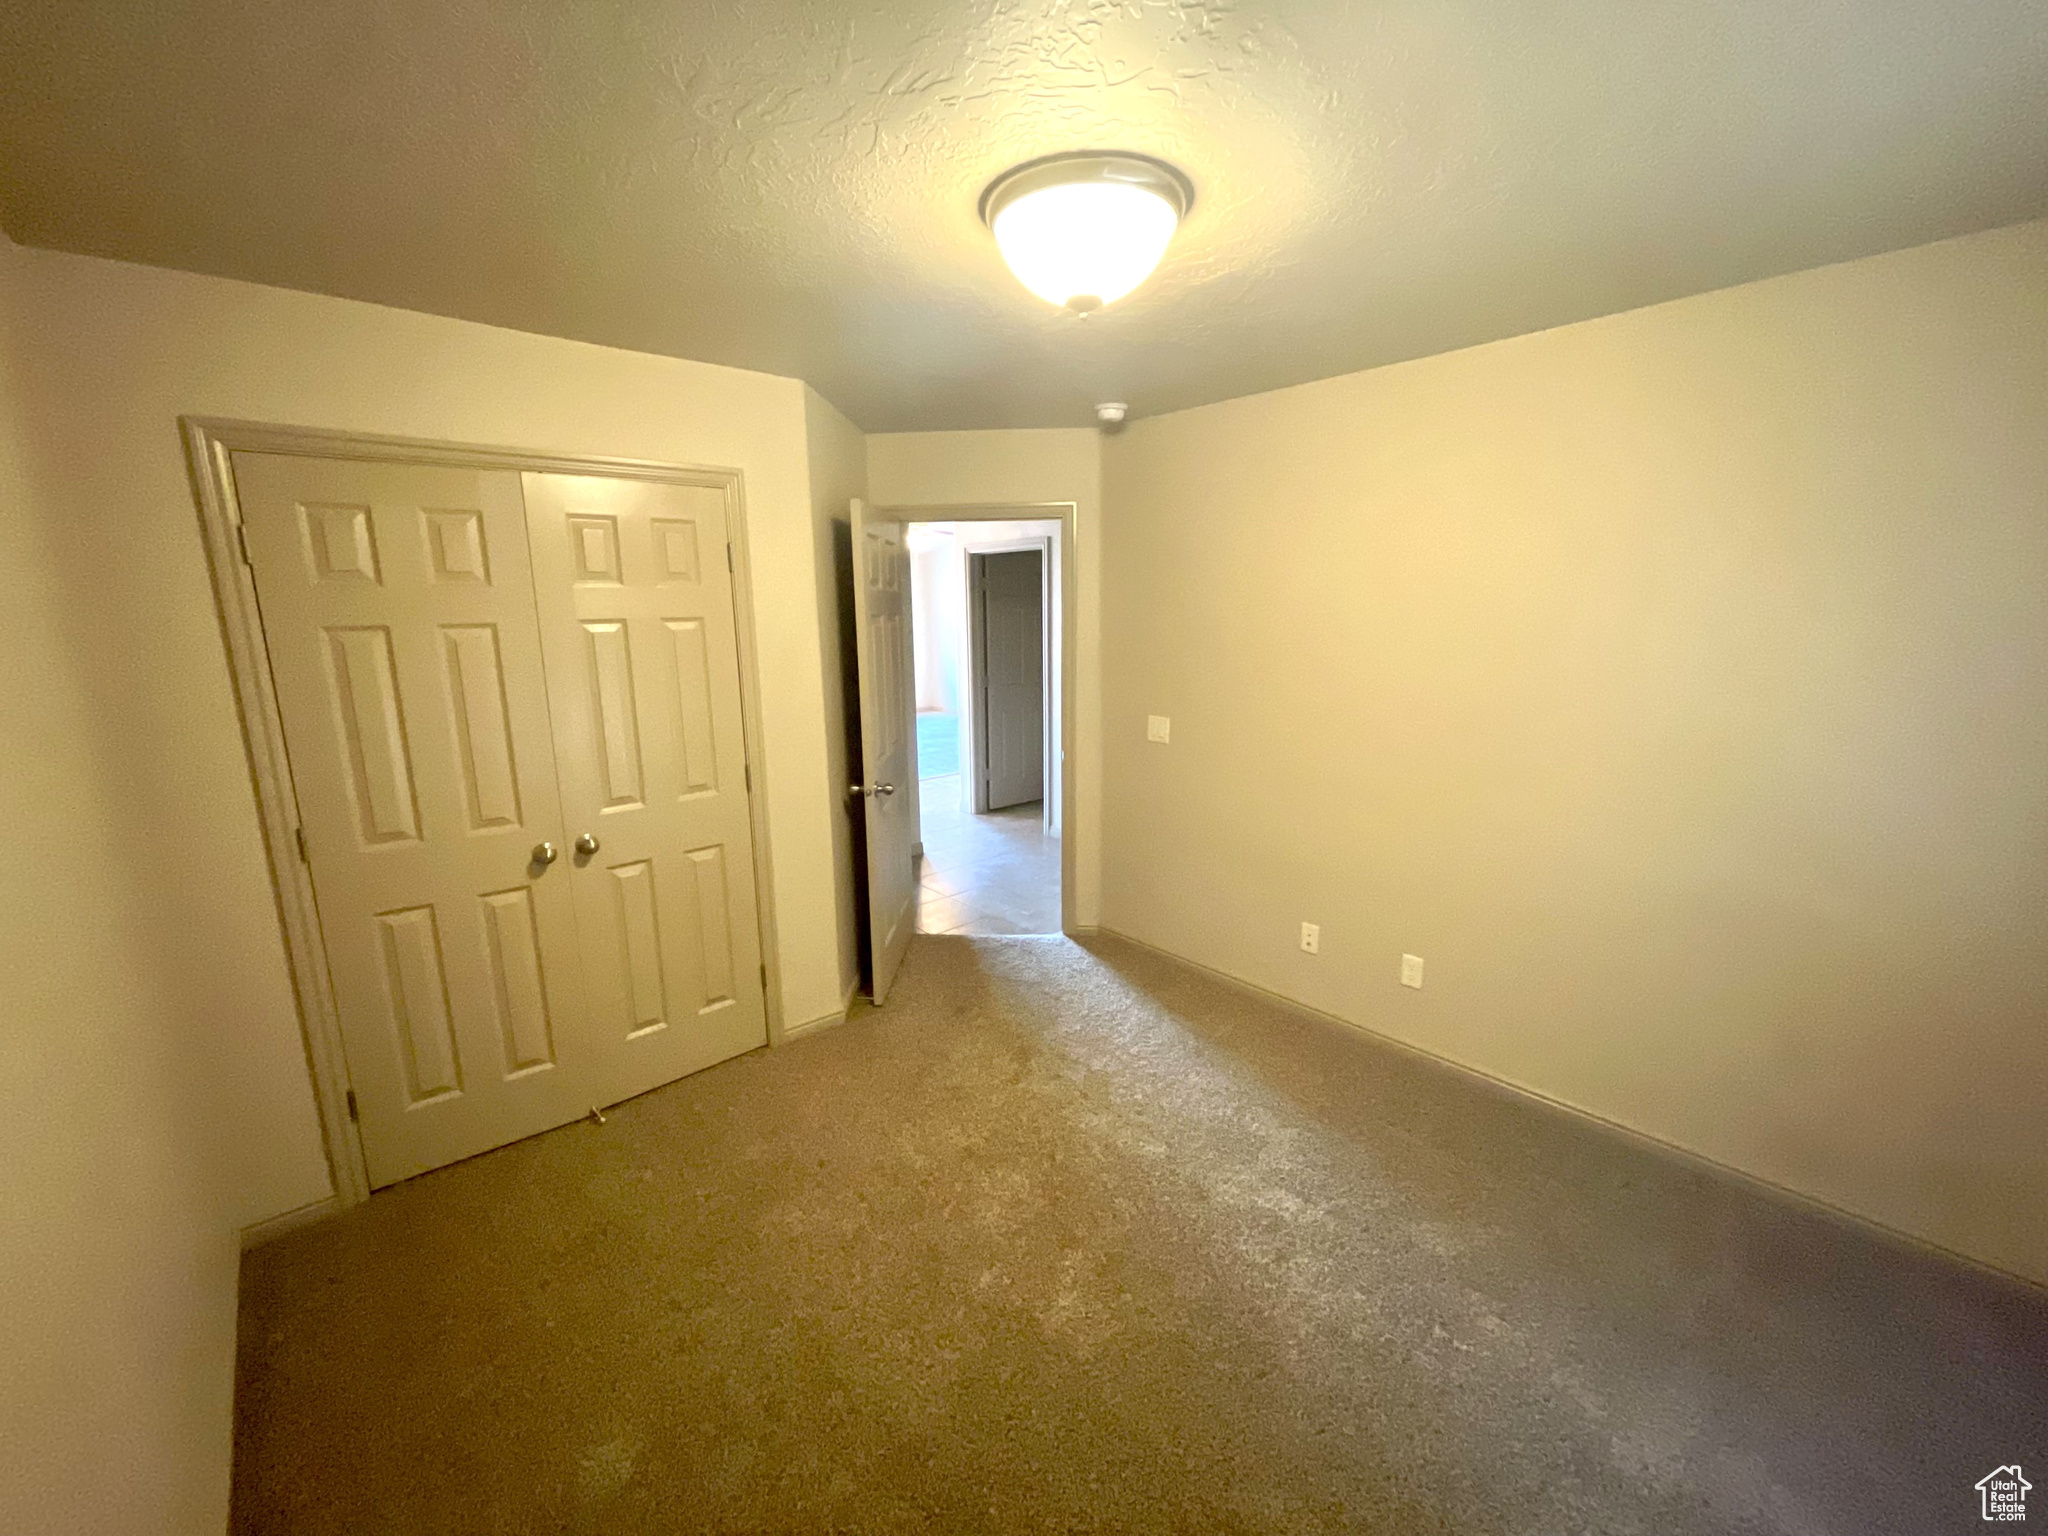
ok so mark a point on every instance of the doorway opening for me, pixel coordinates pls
(985, 620)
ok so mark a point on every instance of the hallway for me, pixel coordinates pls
(986, 875)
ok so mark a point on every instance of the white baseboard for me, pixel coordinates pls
(812, 1026)
(257, 1233)
(824, 1020)
(1646, 1139)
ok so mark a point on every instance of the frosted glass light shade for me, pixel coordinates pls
(1082, 231)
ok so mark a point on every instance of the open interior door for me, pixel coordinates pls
(881, 617)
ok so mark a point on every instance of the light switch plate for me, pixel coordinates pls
(1411, 970)
(1158, 728)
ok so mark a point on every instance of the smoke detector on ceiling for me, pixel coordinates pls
(1110, 414)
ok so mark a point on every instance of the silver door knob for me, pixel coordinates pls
(543, 853)
(871, 789)
(586, 845)
(885, 789)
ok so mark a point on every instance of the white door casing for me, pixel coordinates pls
(398, 611)
(882, 645)
(1009, 657)
(633, 583)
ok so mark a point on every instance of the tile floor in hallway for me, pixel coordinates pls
(992, 874)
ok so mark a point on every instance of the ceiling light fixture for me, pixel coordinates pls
(1083, 230)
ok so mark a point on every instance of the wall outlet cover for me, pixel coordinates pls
(1158, 728)
(1411, 970)
(1311, 939)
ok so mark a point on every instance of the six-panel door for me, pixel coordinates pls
(634, 591)
(882, 645)
(398, 609)
(473, 666)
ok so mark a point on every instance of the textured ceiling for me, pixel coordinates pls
(791, 187)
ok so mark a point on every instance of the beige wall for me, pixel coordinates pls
(155, 1088)
(1674, 684)
(936, 606)
(120, 1193)
(839, 472)
(120, 352)
(941, 469)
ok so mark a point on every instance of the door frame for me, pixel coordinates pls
(1067, 515)
(977, 668)
(209, 441)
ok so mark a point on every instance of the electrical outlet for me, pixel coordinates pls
(1311, 939)
(1158, 728)
(1411, 970)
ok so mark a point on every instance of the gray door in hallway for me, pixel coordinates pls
(1009, 666)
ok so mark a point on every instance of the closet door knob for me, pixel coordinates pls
(543, 853)
(586, 845)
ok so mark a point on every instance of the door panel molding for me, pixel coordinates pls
(338, 552)
(888, 766)
(626, 697)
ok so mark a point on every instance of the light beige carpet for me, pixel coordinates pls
(1073, 1240)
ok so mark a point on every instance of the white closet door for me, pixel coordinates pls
(398, 609)
(634, 590)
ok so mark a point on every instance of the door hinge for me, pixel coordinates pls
(764, 975)
(352, 1113)
(242, 544)
(304, 856)
(748, 770)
